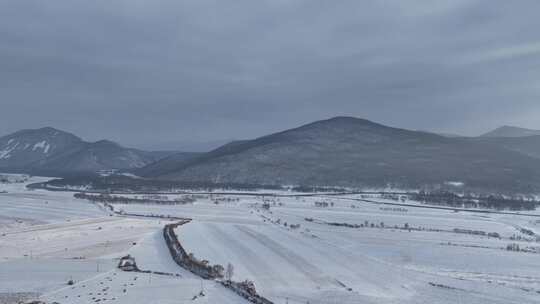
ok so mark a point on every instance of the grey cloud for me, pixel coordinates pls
(149, 72)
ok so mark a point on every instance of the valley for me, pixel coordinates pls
(295, 249)
(269, 152)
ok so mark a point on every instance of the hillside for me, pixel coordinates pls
(346, 151)
(528, 145)
(99, 155)
(167, 163)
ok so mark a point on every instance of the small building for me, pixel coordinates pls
(127, 263)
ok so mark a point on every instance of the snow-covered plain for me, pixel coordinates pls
(21, 207)
(42, 245)
(329, 264)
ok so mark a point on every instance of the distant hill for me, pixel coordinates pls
(451, 135)
(347, 151)
(167, 164)
(51, 150)
(509, 131)
(527, 145)
(27, 147)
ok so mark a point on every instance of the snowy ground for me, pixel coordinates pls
(20, 207)
(43, 245)
(328, 264)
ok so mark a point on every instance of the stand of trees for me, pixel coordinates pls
(201, 268)
(126, 184)
(497, 202)
(106, 198)
(13, 179)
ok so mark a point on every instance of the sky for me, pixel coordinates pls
(183, 74)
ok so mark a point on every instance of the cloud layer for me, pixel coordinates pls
(166, 71)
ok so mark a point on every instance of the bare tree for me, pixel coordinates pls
(229, 272)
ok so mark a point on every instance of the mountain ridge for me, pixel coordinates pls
(511, 131)
(49, 149)
(348, 151)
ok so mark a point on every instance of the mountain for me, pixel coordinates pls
(451, 135)
(99, 155)
(527, 145)
(347, 151)
(50, 150)
(509, 131)
(27, 147)
(167, 163)
(524, 141)
(189, 146)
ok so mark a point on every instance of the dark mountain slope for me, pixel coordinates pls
(346, 151)
(100, 155)
(510, 131)
(166, 164)
(529, 145)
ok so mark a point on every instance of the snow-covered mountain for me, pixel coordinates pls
(51, 150)
(27, 147)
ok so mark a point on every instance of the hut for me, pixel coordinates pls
(127, 263)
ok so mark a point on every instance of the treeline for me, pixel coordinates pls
(202, 268)
(406, 226)
(127, 184)
(122, 183)
(246, 289)
(477, 232)
(13, 179)
(494, 201)
(106, 198)
(188, 261)
(315, 189)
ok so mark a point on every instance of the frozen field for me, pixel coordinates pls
(329, 264)
(289, 250)
(44, 245)
(20, 207)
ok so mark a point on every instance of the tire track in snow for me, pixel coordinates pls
(255, 264)
(294, 260)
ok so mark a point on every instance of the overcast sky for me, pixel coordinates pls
(172, 73)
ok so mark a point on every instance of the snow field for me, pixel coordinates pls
(42, 245)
